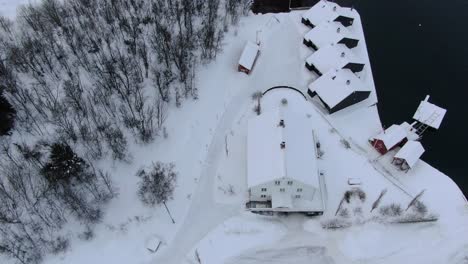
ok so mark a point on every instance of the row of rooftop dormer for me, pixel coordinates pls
(338, 67)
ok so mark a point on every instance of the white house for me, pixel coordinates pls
(330, 32)
(429, 114)
(282, 173)
(408, 155)
(338, 89)
(328, 11)
(334, 56)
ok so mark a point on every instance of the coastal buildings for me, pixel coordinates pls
(338, 89)
(389, 139)
(282, 172)
(408, 155)
(336, 60)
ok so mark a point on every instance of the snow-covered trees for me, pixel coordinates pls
(157, 183)
(41, 188)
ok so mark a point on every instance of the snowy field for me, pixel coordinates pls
(207, 143)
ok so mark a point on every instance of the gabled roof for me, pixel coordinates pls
(392, 136)
(334, 56)
(429, 114)
(266, 161)
(411, 152)
(328, 33)
(327, 11)
(249, 54)
(335, 85)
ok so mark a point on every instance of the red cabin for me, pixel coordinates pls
(248, 57)
(391, 138)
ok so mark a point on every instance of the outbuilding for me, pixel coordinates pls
(408, 155)
(328, 33)
(328, 11)
(282, 172)
(248, 57)
(338, 89)
(392, 137)
(334, 56)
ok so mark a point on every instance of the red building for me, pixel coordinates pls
(392, 137)
(248, 57)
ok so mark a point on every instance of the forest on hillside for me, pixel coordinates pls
(79, 80)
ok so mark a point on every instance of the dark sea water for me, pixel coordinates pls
(418, 48)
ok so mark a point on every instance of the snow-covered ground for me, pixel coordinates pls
(207, 143)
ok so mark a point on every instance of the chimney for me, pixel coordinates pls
(283, 145)
(334, 8)
(338, 30)
(342, 54)
(348, 82)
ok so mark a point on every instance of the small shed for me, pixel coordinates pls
(328, 11)
(391, 138)
(338, 89)
(429, 114)
(334, 56)
(248, 57)
(408, 155)
(328, 33)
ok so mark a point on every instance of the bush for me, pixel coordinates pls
(345, 143)
(344, 213)
(335, 223)
(420, 208)
(157, 183)
(391, 210)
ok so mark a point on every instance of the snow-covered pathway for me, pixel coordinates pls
(204, 213)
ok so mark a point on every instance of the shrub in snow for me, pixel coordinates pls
(415, 217)
(257, 96)
(345, 143)
(357, 211)
(419, 208)
(87, 234)
(157, 183)
(344, 213)
(356, 193)
(335, 223)
(391, 210)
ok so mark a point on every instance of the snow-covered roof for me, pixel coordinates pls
(429, 114)
(392, 136)
(411, 152)
(328, 33)
(335, 85)
(327, 11)
(334, 56)
(266, 161)
(249, 54)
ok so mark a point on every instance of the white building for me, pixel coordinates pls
(336, 56)
(282, 173)
(328, 11)
(408, 155)
(328, 33)
(429, 114)
(338, 89)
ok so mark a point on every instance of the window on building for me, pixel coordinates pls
(277, 182)
(282, 189)
(263, 196)
(299, 189)
(298, 196)
(290, 182)
(264, 189)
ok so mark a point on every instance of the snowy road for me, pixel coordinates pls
(204, 213)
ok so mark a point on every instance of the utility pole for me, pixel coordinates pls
(168, 212)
